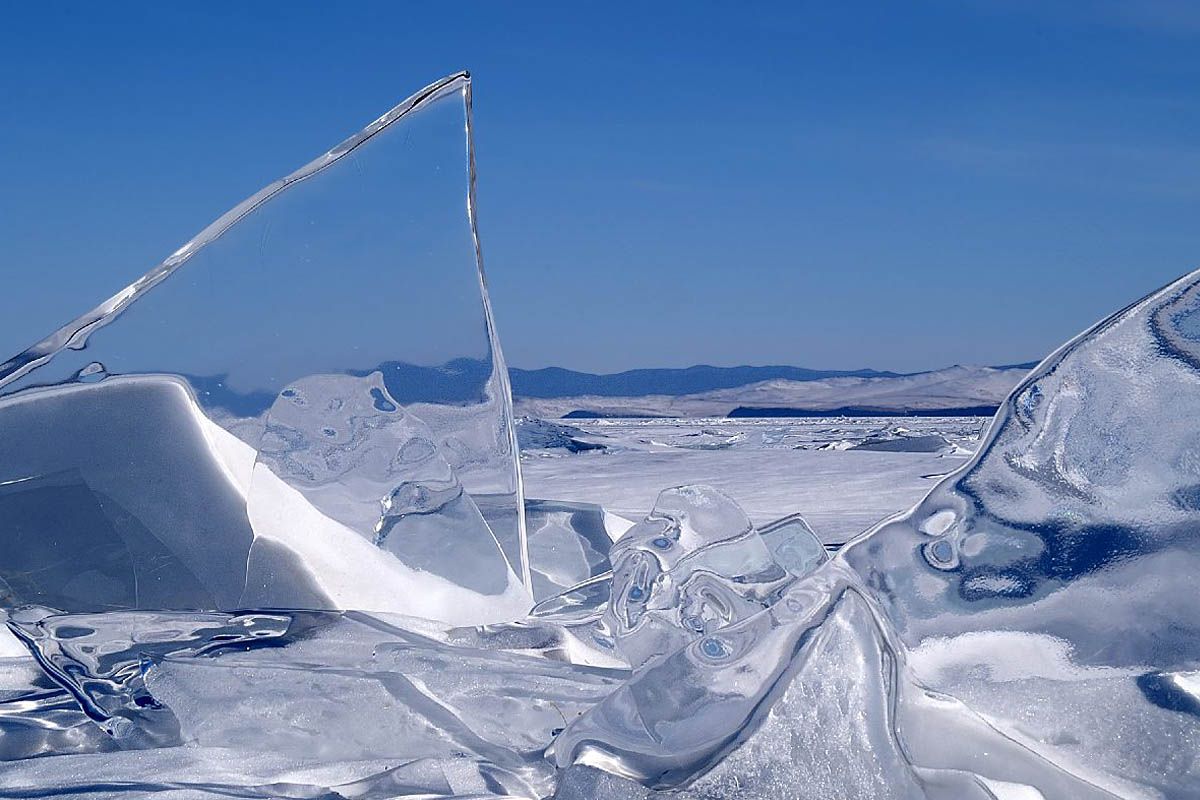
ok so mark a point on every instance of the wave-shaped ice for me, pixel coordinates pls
(694, 565)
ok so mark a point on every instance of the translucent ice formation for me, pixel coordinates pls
(347, 698)
(694, 565)
(569, 543)
(304, 406)
(1050, 583)
(1028, 630)
(794, 545)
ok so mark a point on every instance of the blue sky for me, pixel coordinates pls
(895, 185)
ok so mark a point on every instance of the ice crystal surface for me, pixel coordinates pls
(262, 534)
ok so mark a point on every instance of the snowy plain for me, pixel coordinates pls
(842, 474)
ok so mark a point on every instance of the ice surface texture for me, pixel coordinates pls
(262, 535)
(312, 388)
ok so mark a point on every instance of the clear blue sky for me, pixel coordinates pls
(849, 184)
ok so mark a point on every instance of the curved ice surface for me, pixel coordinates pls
(1050, 583)
(305, 406)
(1034, 618)
(794, 545)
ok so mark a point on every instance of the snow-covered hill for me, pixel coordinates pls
(953, 389)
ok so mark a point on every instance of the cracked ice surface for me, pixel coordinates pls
(247, 553)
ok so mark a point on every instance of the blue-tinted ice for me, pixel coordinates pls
(312, 388)
(246, 551)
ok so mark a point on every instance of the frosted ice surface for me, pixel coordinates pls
(304, 406)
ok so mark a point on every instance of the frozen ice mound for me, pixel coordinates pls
(263, 534)
(305, 406)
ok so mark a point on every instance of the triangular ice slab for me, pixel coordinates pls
(360, 268)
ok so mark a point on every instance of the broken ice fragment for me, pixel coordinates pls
(693, 566)
(569, 543)
(115, 496)
(680, 711)
(100, 659)
(320, 686)
(794, 545)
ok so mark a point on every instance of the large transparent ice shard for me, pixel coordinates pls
(134, 431)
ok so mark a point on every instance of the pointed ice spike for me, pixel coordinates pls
(150, 408)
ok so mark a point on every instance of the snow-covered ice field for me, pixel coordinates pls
(842, 474)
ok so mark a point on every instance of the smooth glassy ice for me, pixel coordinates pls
(305, 406)
(694, 565)
(1031, 624)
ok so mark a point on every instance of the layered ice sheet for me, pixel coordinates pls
(262, 535)
(305, 406)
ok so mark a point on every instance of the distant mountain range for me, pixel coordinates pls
(700, 391)
(704, 391)
(559, 382)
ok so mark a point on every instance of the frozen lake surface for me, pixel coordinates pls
(772, 467)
